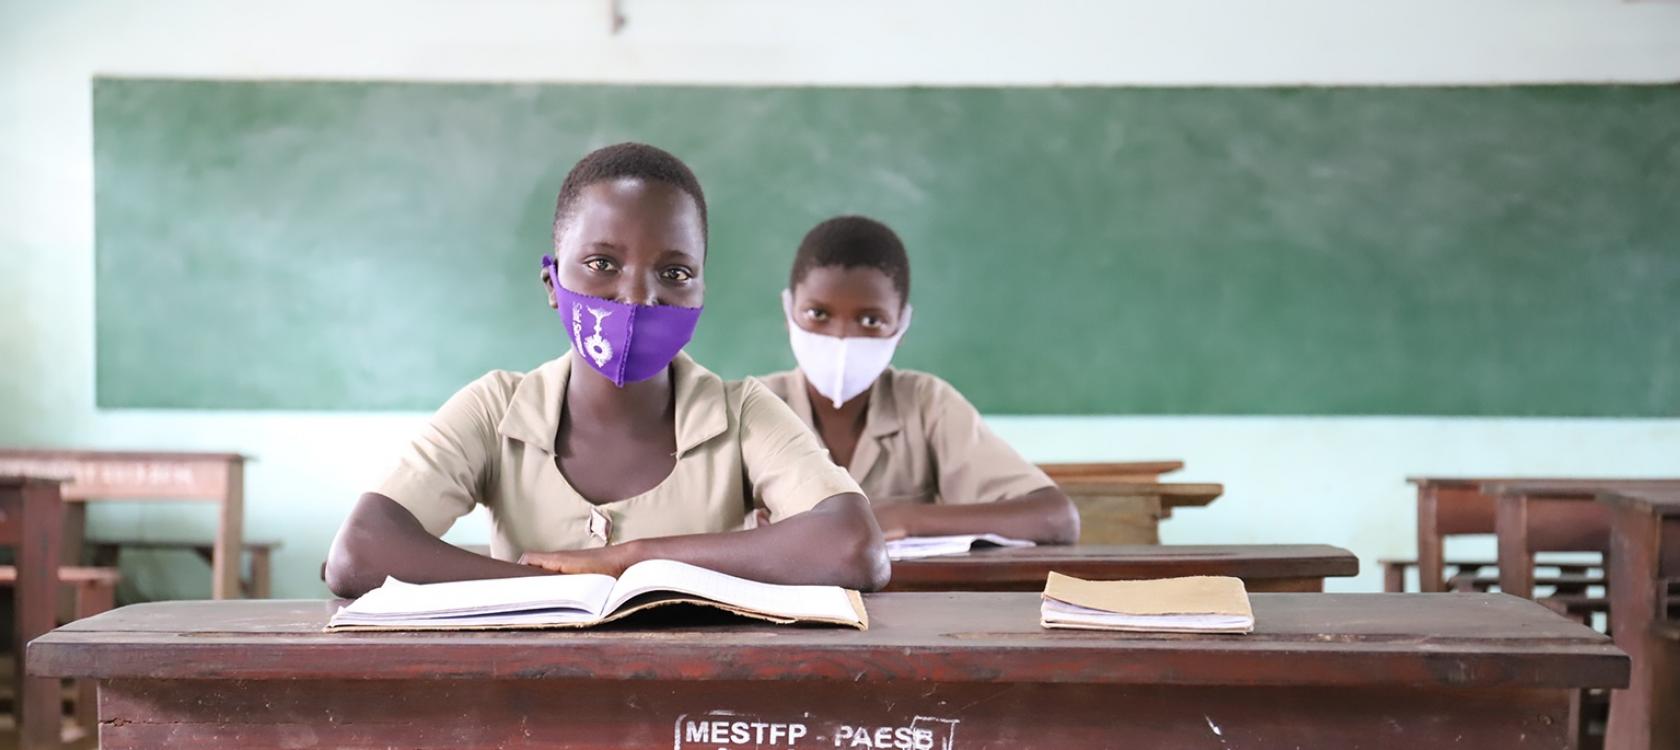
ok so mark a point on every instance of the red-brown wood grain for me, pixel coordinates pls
(31, 513)
(1263, 567)
(969, 670)
(1644, 557)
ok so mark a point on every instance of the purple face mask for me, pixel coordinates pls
(625, 342)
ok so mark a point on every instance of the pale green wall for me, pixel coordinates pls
(1290, 480)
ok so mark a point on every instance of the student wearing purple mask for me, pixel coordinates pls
(920, 451)
(623, 449)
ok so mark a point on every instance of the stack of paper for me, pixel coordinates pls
(930, 546)
(1199, 604)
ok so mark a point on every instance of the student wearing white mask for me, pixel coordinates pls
(923, 456)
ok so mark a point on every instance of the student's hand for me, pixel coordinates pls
(609, 560)
(894, 520)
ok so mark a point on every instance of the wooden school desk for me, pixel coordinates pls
(1644, 570)
(1114, 471)
(1112, 512)
(1554, 515)
(1123, 502)
(1447, 506)
(949, 670)
(31, 517)
(1263, 567)
(149, 476)
(1451, 506)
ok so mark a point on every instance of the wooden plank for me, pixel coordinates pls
(230, 535)
(1264, 567)
(733, 715)
(1430, 549)
(1463, 640)
(123, 475)
(1119, 471)
(1172, 494)
(1642, 717)
(34, 509)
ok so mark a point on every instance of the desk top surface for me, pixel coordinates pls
(1659, 502)
(1577, 489)
(18, 481)
(1110, 469)
(94, 456)
(1136, 561)
(1473, 640)
(1477, 483)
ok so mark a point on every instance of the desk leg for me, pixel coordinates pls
(230, 536)
(261, 573)
(1431, 560)
(71, 542)
(1632, 571)
(1516, 563)
(38, 552)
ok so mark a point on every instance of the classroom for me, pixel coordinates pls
(1199, 374)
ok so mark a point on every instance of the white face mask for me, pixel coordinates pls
(840, 368)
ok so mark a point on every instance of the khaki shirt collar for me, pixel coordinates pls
(882, 420)
(533, 415)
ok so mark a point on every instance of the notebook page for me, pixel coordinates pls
(1058, 612)
(955, 544)
(648, 576)
(561, 616)
(397, 599)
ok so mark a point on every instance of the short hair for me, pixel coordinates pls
(850, 242)
(633, 160)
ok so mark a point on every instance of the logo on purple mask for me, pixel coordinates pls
(626, 342)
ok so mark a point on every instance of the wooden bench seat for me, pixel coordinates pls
(95, 592)
(1479, 575)
(255, 585)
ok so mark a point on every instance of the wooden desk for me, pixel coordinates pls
(1447, 506)
(149, 476)
(951, 670)
(1264, 567)
(1116, 471)
(1128, 512)
(1644, 563)
(1450, 506)
(31, 517)
(1554, 515)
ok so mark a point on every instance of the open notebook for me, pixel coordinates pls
(579, 601)
(1198, 604)
(930, 546)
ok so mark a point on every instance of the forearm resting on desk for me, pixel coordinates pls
(381, 538)
(1045, 516)
(835, 543)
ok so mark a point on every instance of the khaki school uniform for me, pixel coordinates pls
(922, 442)
(493, 444)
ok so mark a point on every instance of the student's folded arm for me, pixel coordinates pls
(835, 543)
(985, 486)
(382, 538)
(821, 518)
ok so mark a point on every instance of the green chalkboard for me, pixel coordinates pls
(373, 246)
